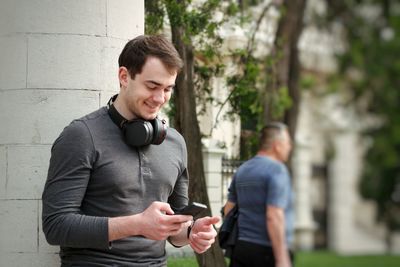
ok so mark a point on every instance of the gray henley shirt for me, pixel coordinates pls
(94, 175)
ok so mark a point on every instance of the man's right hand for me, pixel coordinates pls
(157, 223)
(154, 223)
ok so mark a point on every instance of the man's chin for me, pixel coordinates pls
(149, 117)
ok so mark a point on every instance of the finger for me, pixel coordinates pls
(214, 220)
(179, 218)
(174, 232)
(172, 229)
(198, 248)
(206, 235)
(205, 224)
(202, 243)
(205, 241)
(207, 221)
(175, 226)
(165, 208)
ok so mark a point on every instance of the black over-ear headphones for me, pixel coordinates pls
(138, 132)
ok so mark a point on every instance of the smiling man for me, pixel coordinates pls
(117, 175)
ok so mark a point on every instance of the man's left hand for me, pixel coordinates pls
(203, 234)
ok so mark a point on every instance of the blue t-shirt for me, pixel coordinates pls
(259, 182)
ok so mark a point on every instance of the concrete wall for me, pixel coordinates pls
(58, 61)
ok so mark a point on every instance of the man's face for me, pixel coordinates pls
(145, 95)
(284, 146)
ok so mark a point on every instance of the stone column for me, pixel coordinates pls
(304, 224)
(342, 192)
(302, 167)
(58, 62)
(346, 235)
(212, 158)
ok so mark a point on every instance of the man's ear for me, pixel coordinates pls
(123, 76)
(275, 147)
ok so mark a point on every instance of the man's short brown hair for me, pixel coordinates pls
(136, 51)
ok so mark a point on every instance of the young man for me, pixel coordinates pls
(107, 202)
(261, 188)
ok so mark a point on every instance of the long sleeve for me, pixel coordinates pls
(179, 197)
(72, 159)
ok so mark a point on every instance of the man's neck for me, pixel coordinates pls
(267, 153)
(122, 109)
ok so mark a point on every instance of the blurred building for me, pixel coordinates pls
(328, 151)
(58, 61)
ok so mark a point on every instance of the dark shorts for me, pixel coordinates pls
(247, 254)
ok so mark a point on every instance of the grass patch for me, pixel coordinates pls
(318, 259)
(329, 259)
(182, 262)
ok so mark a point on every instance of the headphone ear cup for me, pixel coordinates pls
(138, 133)
(160, 131)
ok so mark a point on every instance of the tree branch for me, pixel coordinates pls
(249, 51)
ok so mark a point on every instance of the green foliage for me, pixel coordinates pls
(245, 96)
(280, 101)
(250, 84)
(154, 19)
(307, 82)
(200, 31)
(374, 55)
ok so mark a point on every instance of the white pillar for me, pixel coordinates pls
(304, 223)
(395, 243)
(58, 61)
(346, 235)
(302, 168)
(212, 158)
(340, 197)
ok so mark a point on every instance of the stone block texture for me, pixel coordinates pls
(38, 116)
(13, 60)
(27, 171)
(19, 226)
(64, 62)
(58, 62)
(62, 17)
(3, 171)
(132, 23)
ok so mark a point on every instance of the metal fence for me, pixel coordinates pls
(229, 167)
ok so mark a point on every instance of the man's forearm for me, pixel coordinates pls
(276, 231)
(228, 207)
(277, 236)
(121, 227)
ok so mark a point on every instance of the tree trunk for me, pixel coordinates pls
(296, 11)
(186, 123)
(286, 54)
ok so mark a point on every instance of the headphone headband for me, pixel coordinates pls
(117, 118)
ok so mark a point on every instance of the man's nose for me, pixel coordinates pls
(159, 96)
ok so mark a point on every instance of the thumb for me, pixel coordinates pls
(214, 220)
(165, 207)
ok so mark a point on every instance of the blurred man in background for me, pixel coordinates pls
(261, 188)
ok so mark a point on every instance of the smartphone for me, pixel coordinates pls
(193, 209)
